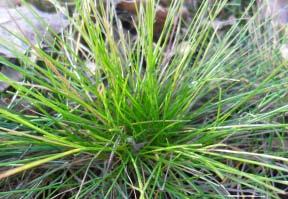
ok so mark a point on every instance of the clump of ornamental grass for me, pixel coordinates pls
(109, 114)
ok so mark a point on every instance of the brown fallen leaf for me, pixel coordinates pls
(160, 19)
(128, 6)
(189, 3)
(131, 8)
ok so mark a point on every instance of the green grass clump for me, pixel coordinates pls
(194, 115)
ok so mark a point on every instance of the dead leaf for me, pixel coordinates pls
(278, 144)
(129, 9)
(91, 66)
(219, 24)
(9, 3)
(284, 51)
(10, 73)
(277, 10)
(26, 23)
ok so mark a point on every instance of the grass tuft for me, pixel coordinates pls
(193, 114)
